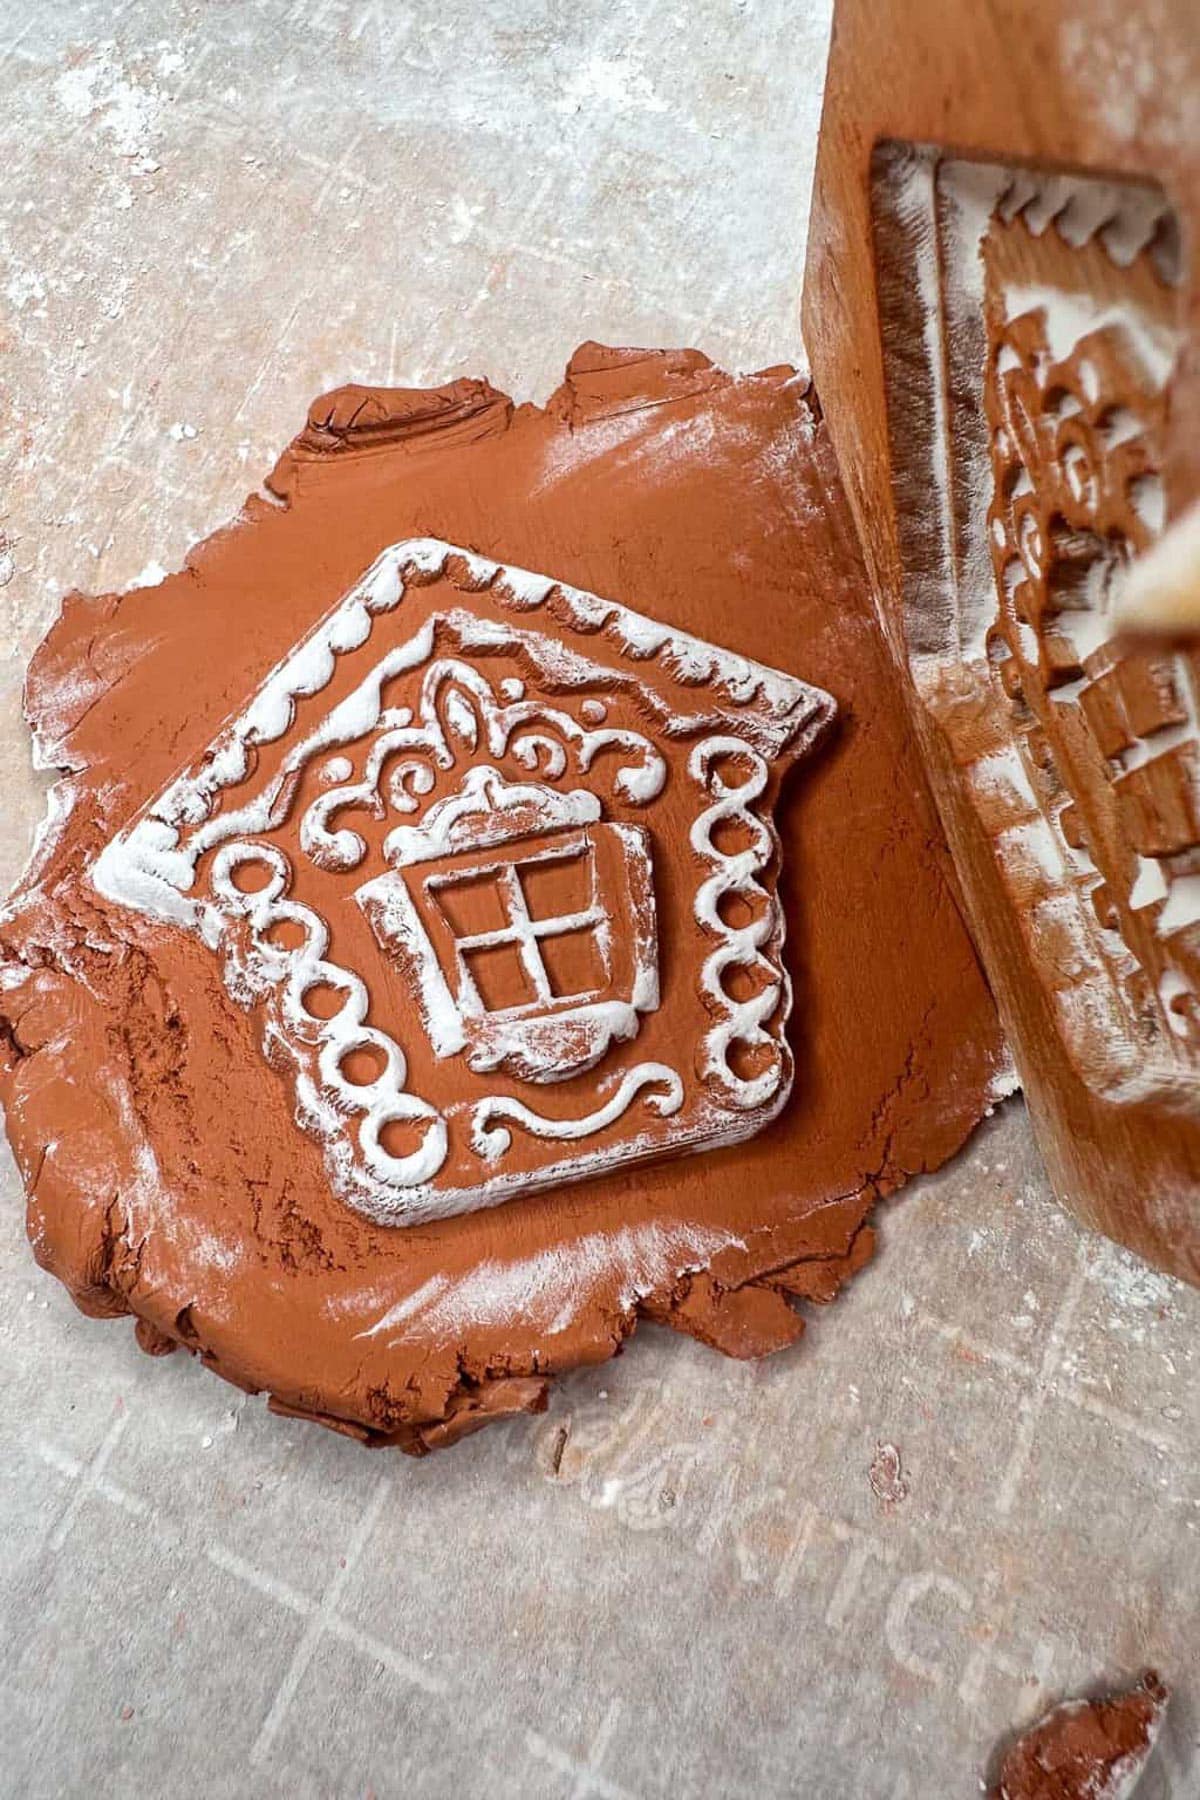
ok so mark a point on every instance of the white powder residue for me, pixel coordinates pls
(1111, 60)
(23, 287)
(970, 193)
(153, 575)
(550, 1289)
(118, 109)
(782, 458)
(1072, 317)
(1133, 1285)
(1002, 777)
(1125, 1776)
(1183, 905)
(60, 803)
(491, 1139)
(612, 85)
(623, 436)
(1004, 1083)
(1030, 850)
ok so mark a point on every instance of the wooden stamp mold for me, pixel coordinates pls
(1001, 312)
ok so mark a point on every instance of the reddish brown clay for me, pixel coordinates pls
(1087, 1749)
(168, 1103)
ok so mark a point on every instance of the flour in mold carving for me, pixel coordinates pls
(1107, 734)
(1051, 327)
(491, 861)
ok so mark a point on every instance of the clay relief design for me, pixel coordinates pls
(492, 862)
(541, 989)
(1054, 304)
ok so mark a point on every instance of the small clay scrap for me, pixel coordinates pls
(490, 897)
(887, 1477)
(1087, 1749)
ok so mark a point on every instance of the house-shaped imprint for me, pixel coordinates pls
(491, 861)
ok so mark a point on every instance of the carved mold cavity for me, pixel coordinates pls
(1031, 322)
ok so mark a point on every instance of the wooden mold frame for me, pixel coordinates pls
(1031, 326)
(1027, 447)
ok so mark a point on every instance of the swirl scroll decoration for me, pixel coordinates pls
(734, 906)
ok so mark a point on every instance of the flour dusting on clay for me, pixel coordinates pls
(489, 833)
(473, 884)
(546, 1288)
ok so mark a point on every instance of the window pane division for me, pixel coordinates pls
(546, 910)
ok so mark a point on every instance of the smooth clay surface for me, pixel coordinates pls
(150, 1098)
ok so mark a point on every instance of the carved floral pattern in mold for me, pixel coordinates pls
(1046, 309)
(1106, 733)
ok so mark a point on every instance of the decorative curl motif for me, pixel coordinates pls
(751, 948)
(1076, 494)
(458, 710)
(259, 965)
(492, 1141)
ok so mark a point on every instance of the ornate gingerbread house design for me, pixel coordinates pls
(492, 863)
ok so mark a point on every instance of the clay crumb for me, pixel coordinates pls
(886, 1475)
(560, 1445)
(1087, 1749)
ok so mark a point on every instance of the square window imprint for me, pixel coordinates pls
(440, 896)
(493, 979)
(489, 991)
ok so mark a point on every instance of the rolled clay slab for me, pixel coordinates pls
(490, 896)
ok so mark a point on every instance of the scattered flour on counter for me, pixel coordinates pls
(1134, 1287)
(610, 83)
(99, 93)
(151, 576)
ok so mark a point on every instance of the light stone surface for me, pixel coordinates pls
(681, 1580)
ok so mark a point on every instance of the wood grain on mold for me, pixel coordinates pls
(1003, 332)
